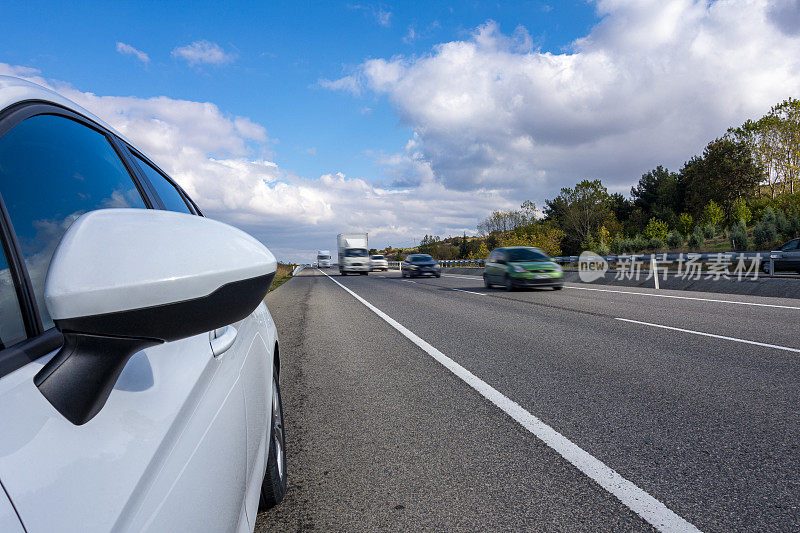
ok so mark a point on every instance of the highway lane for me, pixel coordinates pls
(705, 425)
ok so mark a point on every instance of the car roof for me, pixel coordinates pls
(16, 90)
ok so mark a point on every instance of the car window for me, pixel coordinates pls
(172, 199)
(791, 245)
(355, 252)
(12, 329)
(53, 170)
(526, 254)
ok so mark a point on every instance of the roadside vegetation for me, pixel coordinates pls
(741, 193)
(283, 273)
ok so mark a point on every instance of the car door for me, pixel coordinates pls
(791, 255)
(168, 450)
(244, 342)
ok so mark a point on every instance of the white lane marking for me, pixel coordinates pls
(764, 344)
(462, 290)
(633, 497)
(658, 295)
(408, 281)
(685, 297)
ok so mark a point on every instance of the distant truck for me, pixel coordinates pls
(323, 258)
(353, 253)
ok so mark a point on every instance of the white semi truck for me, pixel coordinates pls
(323, 258)
(353, 253)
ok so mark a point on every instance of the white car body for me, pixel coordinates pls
(182, 441)
(378, 262)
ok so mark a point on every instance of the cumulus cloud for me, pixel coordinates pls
(127, 49)
(211, 155)
(650, 84)
(203, 53)
(350, 84)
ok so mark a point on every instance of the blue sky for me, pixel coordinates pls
(297, 121)
(282, 49)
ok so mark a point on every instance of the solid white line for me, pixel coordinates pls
(408, 281)
(685, 297)
(777, 347)
(462, 290)
(633, 497)
(777, 306)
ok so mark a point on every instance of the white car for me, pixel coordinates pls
(378, 262)
(139, 365)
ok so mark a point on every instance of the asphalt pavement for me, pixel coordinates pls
(685, 401)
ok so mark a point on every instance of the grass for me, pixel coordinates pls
(283, 273)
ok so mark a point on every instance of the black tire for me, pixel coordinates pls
(273, 488)
(557, 288)
(342, 273)
(364, 273)
(438, 275)
(509, 285)
(765, 267)
(486, 282)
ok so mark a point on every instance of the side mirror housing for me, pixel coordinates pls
(122, 280)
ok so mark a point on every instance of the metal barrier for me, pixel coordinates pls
(462, 263)
(297, 269)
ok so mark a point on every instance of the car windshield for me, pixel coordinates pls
(378, 257)
(323, 257)
(516, 255)
(420, 259)
(355, 252)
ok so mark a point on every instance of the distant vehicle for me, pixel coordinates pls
(138, 363)
(378, 262)
(521, 266)
(323, 258)
(353, 253)
(787, 257)
(420, 265)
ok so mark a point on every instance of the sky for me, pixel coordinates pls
(297, 121)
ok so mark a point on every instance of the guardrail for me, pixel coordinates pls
(297, 269)
(767, 258)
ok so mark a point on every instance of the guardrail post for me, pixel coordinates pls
(771, 265)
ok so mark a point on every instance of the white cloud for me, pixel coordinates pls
(203, 52)
(349, 84)
(651, 84)
(127, 49)
(381, 15)
(211, 155)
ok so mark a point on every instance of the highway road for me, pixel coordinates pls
(438, 404)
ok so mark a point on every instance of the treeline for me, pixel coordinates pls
(742, 192)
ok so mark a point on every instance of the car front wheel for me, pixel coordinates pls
(273, 488)
(509, 284)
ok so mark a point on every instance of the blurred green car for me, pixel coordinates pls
(521, 266)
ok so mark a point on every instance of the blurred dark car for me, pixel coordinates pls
(420, 265)
(786, 257)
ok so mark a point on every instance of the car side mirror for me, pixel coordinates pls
(122, 280)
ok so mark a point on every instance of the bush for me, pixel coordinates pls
(709, 231)
(603, 249)
(638, 244)
(782, 224)
(738, 236)
(765, 233)
(696, 239)
(655, 244)
(618, 245)
(685, 223)
(741, 211)
(674, 239)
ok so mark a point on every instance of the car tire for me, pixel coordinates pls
(364, 273)
(557, 288)
(438, 275)
(486, 282)
(509, 285)
(765, 267)
(273, 488)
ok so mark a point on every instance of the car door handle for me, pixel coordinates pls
(222, 339)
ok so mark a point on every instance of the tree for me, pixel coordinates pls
(656, 229)
(713, 214)
(580, 211)
(685, 223)
(723, 173)
(658, 194)
(741, 211)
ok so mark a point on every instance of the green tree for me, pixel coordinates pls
(656, 229)
(723, 173)
(741, 211)
(658, 194)
(685, 223)
(580, 211)
(713, 214)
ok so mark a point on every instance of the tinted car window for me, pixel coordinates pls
(12, 329)
(52, 170)
(355, 252)
(420, 258)
(172, 199)
(791, 245)
(526, 254)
